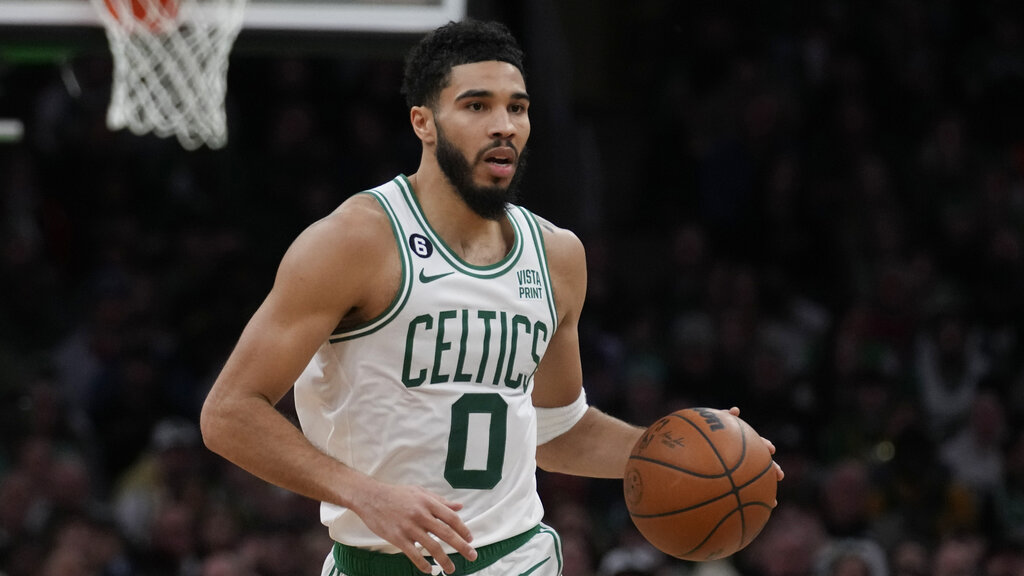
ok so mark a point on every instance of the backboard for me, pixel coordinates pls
(402, 16)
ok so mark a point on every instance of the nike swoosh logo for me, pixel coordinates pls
(428, 279)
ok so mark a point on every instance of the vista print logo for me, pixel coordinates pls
(531, 284)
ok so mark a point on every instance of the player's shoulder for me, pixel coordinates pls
(360, 216)
(567, 264)
(561, 244)
(357, 226)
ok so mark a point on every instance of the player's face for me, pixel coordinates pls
(483, 124)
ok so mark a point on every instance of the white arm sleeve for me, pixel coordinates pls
(553, 422)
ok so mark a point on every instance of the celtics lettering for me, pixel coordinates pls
(478, 346)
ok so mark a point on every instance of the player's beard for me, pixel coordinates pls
(486, 201)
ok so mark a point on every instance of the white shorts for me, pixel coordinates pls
(536, 552)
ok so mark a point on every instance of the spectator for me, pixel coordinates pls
(949, 367)
(852, 557)
(168, 472)
(974, 454)
(910, 557)
(225, 564)
(959, 555)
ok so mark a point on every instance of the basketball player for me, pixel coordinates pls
(430, 329)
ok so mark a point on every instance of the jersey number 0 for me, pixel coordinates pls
(462, 469)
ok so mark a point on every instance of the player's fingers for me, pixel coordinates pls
(447, 534)
(769, 444)
(735, 411)
(412, 552)
(779, 473)
(456, 506)
(434, 549)
(446, 514)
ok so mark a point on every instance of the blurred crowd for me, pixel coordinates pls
(810, 210)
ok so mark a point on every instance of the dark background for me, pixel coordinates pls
(811, 210)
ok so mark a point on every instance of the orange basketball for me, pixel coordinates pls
(700, 484)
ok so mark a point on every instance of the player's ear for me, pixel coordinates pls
(422, 120)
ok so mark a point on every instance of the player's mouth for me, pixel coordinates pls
(500, 161)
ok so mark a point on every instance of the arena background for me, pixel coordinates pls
(811, 210)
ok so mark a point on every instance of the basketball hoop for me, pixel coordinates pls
(170, 66)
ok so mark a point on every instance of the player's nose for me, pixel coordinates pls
(502, 127)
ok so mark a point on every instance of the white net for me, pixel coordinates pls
(170, 66)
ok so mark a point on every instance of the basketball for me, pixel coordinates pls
(700, 484)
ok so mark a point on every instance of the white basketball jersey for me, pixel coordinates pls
(436, 391)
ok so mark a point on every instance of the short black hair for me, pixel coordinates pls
(429, 64)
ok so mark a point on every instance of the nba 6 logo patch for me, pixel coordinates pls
(420, 245)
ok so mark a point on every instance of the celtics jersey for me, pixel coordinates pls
(436, 391)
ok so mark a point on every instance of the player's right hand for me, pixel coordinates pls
(416, 521)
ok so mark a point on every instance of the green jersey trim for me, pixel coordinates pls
(542, 257)
(402, 297)
(489, 271)
(545, 529)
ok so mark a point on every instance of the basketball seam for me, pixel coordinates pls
(728, 472)
(682, 510)
(708, 537)
(734, 492)
(679, 468)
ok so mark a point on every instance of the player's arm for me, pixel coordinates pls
(325, 275)
(596, 445)
(238, 418)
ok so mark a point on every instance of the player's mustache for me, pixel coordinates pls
(498, 143)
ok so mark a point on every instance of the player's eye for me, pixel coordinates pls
(475, 106)
(517, 108)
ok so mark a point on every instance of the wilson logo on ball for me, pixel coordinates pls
(711, 417)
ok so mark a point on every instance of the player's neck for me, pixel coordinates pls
(477, 240)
